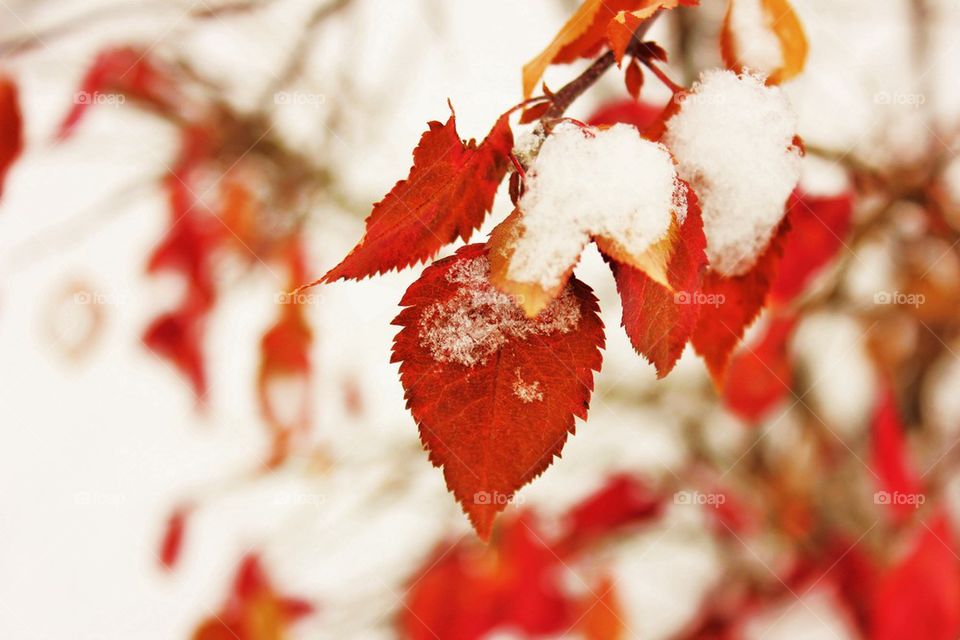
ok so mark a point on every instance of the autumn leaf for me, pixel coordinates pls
(622, 501)
(919, 597)
(493, 392)
(11, 127)
(178, 337)
(466, 593)
(759, 376)
(446, 196)
(633, 78)
(129, 71)
(781, 20)
(595, 24)
(601, 614)
(620, 30)
(171, 544)
(818, 228)
(730, 304)
(254, 610)
(659, 320)
(898, 482)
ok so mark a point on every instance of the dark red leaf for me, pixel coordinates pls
(759, 376)
(11, 127)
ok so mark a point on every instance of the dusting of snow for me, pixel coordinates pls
(527, 146)
(527, 391)
(478, 320)
(757, 47)
(590, 182)
(733, 142)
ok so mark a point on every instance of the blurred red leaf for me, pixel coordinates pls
(759, 375)
(11, 127)
(448, 193)
(172, 542)
(127, 71)
(601, 616)
(818, 227)
(660, 321)
(640, 114)
(253, 610)
(493, 392)
(730, 305)
(623, 501)
(898, 483)
(177, 336)
(633, 78)
(466, 592)
(919, 597)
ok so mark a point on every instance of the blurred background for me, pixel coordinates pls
(191, 451)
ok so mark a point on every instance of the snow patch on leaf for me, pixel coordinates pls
(733, 141)
(587, 183)
(527, 391)
(478, 320)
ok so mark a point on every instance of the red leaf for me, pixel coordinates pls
(177, 336)
(759, 376)
(123, 70)
(172, 542)
(634, 79)
(493, 392)
(622, 501)
(639, 114)
(11, 127)
(659, 321)
(818, 226)
(898, 483)
(448, 193)
(465, 593)
(920, 596)
(730, 305)
(254, 610)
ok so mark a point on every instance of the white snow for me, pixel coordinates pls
(479, 320)
(591, 182)
(733, 142)
(756, 45)
(527, 391)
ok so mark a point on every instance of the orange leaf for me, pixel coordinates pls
(11, 127)
(760, 376)
(730, 304)
(783, 22)
(584, 27)
(493, 392)
(620, 30)
(602, 615)
(659, 320)
(818, 227)
(447, 194)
